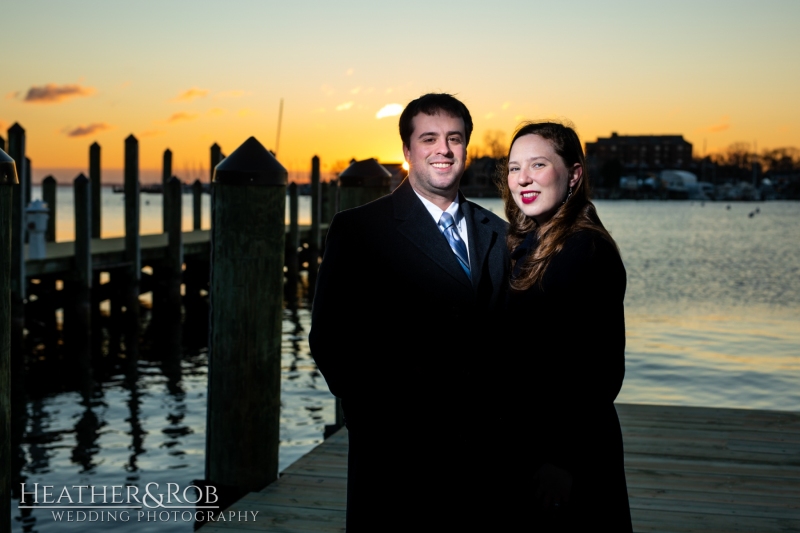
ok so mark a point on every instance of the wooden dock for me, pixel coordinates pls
(110, 252)
(689, 469)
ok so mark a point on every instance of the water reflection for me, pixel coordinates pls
(142, 420)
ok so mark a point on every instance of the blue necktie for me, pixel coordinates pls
(448, 227)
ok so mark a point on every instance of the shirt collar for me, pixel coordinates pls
(436, 212)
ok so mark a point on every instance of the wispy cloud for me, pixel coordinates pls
(232, 94)
(190, 94)
(724, 124)
(345, 106)
(52, 93)
(505, 105)
(182, 117)
(488, 116)
(355, 90)
(327, 90)
(245, 112)
(389, 110)
(89, 129)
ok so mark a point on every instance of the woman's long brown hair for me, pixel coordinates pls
(576, 214)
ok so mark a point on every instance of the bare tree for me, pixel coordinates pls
(494, 143)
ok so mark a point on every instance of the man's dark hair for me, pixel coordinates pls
(432, 104)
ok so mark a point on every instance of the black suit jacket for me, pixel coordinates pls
(405, 338)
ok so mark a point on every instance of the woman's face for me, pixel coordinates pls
(538, 178)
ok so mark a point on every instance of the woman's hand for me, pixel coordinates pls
(552, 486)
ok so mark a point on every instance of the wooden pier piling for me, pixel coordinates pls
(197, 205)
(314, 241)
(49, 197)
(166, 175)
(95, 180)
(362, 182)
(16, 147)
(216, 157)
(292, 248)
(329, 201)
(133, 250)
(8, 180)
(174, 261)
(80, 330)
(247, 254)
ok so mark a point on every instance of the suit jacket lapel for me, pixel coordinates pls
(481, 237)
(417, 225)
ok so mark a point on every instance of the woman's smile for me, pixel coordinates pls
(528, 197)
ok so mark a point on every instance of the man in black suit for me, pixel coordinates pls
(402, 328)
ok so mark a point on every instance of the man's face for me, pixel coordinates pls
(436, 156)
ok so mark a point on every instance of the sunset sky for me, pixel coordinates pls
(183, 75)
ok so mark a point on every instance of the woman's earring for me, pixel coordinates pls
(568, 195)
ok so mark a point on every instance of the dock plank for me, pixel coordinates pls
(689, 470)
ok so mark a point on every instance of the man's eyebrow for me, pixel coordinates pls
(448, 134)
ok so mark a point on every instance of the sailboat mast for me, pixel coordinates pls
(278, 136)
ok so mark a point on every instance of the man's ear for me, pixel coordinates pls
(406, 152)
(575, 175)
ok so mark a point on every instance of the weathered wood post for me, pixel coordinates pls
(216, 157)
(49, 197)
(329, 200)
(47, 284)
(173, 271)
(81, 327)
(244, 374)
(133, 249)
(8, 179)
(292, 248)
(94, 178)
(314, 240)
(16, 148)
(197, 205)
(166, 174)
(362, 182)
(96, 225)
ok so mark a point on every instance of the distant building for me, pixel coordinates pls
(611, 157)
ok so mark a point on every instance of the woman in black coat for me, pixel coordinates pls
(567, 333)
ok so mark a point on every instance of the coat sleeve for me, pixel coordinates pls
(586, 354)
(338, 311)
